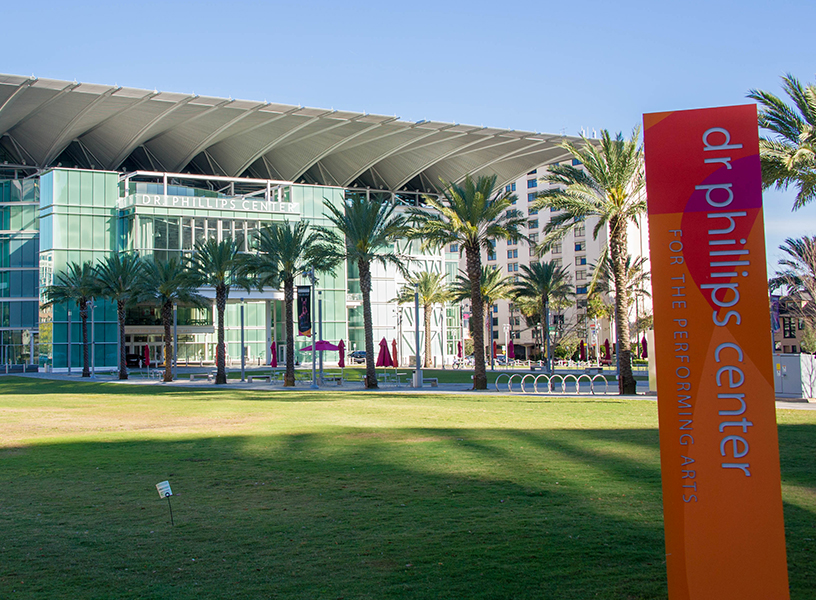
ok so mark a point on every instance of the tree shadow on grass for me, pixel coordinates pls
(407, 513)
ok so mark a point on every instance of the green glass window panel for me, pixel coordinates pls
(99, 187)
(74, 231)
(86, 191)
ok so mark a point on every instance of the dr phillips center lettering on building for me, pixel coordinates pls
(719, 450)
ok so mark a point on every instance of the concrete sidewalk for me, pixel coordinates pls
(357, 387)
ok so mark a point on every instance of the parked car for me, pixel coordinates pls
(357, 357)
(133, 361)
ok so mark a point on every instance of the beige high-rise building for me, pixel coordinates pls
(578, 252)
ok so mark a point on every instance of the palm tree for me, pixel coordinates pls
(167, 283)
(284, 252)
(789, 157)
(77, 283)
(493, 286)
(364, 232)
(798, 277)
(472, 216)
(118, 277)
(432, 290)
(609, 185)
(216, 264)
(541, 283)
(636, 281)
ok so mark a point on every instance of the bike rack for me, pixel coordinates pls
(547, 379)
(606, 384)
(578, 383)
(594, 383)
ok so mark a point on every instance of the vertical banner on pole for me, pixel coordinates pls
(719, 451)
(304, 310)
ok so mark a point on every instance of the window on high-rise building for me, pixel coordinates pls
(454, 248)
(513, 253)
(531, 183)
(533, 172)
(579, 231)
(575, 162)
(532, 224)
(510, 188)
(556, 262)
(512, 242)
(580, 289)
(531, 196)
(580, 274)
(788, 327)
(580, 260)
(556, 248)
(511, 267)
(580, 246)
(532, 211)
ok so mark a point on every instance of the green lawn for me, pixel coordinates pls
(363, 496)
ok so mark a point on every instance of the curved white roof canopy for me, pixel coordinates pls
(47, 122)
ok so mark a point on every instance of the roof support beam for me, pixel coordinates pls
(137, 139)
(10, 100)
(278, 141)
(203, 144)
(62, 140)
(456, 151)
(349, 180)
(30, 115)
(338, 145)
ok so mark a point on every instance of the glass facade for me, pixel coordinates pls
(19, 266)
(73, 216)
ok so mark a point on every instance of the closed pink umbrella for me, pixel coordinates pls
(608, 349)
(341, 348)
(582, 350)
(460, 349)
(645, 345)
(384, 358)
(394, 352)
(511, 350)
(495, 346)
(274, 352)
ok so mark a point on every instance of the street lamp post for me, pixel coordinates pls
(243, 355)
(69, 341)
(93, 338)
(507, 343)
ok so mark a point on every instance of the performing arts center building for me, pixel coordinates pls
(86, 170)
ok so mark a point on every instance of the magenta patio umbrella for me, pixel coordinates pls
(320, 345)
(394, 352)
(511, 350)
(460, 352)
(341, 348)
(645, 345)
(384, 358)
(274, 361)
(608, 349)
(581, 350)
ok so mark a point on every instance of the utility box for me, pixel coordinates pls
(794, 375)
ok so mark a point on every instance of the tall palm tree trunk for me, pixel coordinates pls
(220, 351)
(428, 314)
(86, 356)
(365, 287)
(288, 301)
(474, 271)
(120, 314)
(167, 321)
(617, 255)
(545, 331)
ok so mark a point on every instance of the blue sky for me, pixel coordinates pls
(538, 66)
